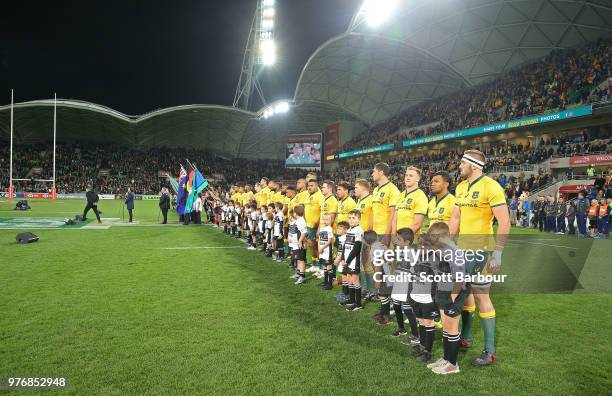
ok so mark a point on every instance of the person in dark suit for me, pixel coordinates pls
(92, 203)
(164, 204)
(129, 202)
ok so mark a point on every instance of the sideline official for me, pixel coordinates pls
(164, 204)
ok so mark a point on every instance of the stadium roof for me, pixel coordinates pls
(425, 50)
(431, 48)
(224, 130)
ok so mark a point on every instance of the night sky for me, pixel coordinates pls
(138, 56)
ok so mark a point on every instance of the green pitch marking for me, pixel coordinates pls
(18, 223)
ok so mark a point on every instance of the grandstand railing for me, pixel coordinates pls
(543, 187)
(585, 177)
(581, 153)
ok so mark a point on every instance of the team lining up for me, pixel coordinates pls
(344, 237)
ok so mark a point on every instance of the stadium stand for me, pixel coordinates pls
(560, 80)
(111, 169)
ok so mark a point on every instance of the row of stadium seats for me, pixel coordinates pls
(561, 79)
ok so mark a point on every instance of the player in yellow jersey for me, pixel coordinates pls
(234, 193)
(364, 203)
(441, 206)
(411, 204)
(301, 196)
(290, 199)
(329, 209)
(383, 197)
(329, 205)
(479, 200)
(248, 194)
(312, 214)
(258, 196)
(288, 210)
(265, 190)
(273, 194)
(345, 202)
(285, 199)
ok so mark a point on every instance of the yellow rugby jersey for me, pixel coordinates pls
(265, 194)
(329, 205)
(344, 207)
(279, 197)
(313, 208)
(365, 207)
(258, 199)
(383, 198)
(273, 197)
(299, 199)
(407, 205)
(262, 200)
(247, 197)
(236, 197)
(475, 201)
(441, 210)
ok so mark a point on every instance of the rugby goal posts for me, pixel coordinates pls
(11, 188)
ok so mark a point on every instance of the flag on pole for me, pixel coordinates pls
(195, 185)
(181, 193)
(173, 184)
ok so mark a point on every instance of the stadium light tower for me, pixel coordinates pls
(260, 52)
(281, 107)
(376, 12)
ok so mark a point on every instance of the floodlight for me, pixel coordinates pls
(377, 11)
(281, 107)
(268, 12)
(269, 59)
(267, 23)
(268, 3)
(268, 52)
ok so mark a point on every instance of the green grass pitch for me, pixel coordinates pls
(117, 312)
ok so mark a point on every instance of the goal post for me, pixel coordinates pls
(12, 193)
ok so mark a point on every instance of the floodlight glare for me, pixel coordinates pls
(267, 23)
(268, 2)
(268, 12)
(282, 107)
(269, 59)
(377, 11)
(267, 46)
(268, 52)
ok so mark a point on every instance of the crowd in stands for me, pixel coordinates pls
(561, 79)
(499, 154)
(113, 169)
